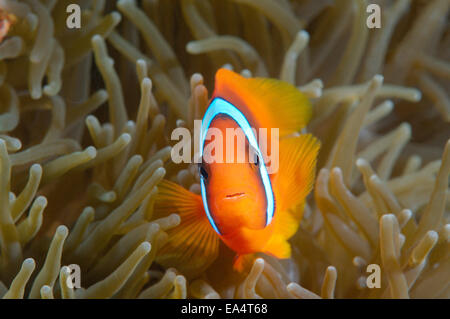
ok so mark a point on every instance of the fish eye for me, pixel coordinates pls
(203, 172)
(256, 161)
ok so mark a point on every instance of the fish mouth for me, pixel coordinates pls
(235, 195)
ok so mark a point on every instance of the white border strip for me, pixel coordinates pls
(221, 106)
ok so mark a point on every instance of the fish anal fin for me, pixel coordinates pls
(243, 263)
(269, 102)
(192, 245)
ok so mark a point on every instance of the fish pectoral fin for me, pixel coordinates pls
(278, 246)
(292, 184)
(193, 245)
(297, 167)
(273, 103)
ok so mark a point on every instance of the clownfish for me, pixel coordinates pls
(242, 203)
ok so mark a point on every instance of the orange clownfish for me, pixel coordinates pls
(242, 203)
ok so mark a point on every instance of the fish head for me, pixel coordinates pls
(232, 183)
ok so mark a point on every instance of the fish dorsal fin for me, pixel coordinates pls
(193, 245)
(297, 167)
(267, 103)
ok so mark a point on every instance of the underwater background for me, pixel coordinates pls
(86, 117)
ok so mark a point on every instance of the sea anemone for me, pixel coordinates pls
(86, 116)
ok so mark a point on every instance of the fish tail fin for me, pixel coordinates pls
(192, 245)
(258, 98)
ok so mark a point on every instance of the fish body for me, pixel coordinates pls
(249, 207)
(237, 195)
